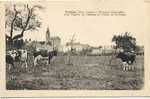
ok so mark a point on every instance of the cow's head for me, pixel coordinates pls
(12, 53)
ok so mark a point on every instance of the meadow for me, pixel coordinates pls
(82, 73)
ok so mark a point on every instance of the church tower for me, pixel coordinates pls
(47, 35)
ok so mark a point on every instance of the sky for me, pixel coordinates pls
(92, 30)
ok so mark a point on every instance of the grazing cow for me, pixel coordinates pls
(44, 54)
(22, 56)
(16, 56)
(127, 60)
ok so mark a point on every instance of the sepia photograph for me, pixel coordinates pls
(74, 48)
(44, 53)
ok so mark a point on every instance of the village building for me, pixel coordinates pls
(50, 43)
(102, 50)
(95, 51)
(55, 41)
(108, 49)
(78, 47)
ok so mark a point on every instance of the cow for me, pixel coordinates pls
(128, 59)
(16, 56)
(10, 58)
(44, 54)
(22, 57)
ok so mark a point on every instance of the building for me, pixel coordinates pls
(50, 43)
(96, 51)
(108, 50)
(54, 41)
(78, 47)
(102, 50)
(47, 35)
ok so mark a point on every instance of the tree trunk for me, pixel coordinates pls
(24, 28)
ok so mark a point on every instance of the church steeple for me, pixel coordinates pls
(47, 35)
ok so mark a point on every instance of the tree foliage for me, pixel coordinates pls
(21, 18)
(125, 42)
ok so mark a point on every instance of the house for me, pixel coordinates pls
(108, 50)
(78, 47)
(96, 51)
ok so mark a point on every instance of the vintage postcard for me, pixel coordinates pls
(74, 48)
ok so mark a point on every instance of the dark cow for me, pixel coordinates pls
(10, 61)
(127, 58)
(51, 54)
(43, 54)
(10, 57)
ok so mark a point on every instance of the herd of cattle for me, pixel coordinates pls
(21, 55)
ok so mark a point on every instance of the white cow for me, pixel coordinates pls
(23, 56)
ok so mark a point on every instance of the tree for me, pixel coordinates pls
(71, 52)
(19, 19)
(125, 42)
(72, 40)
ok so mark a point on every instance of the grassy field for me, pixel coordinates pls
(85, 73)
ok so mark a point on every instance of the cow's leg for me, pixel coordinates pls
(26, 65)
(47, 62)
(49, 59)
(9, 66)
(124, 67)
(67, 60)
(133, 65)
(53, 59)
(127, 67)
(35, 61)
(132, 68)
(13, 65)
(22, 65)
